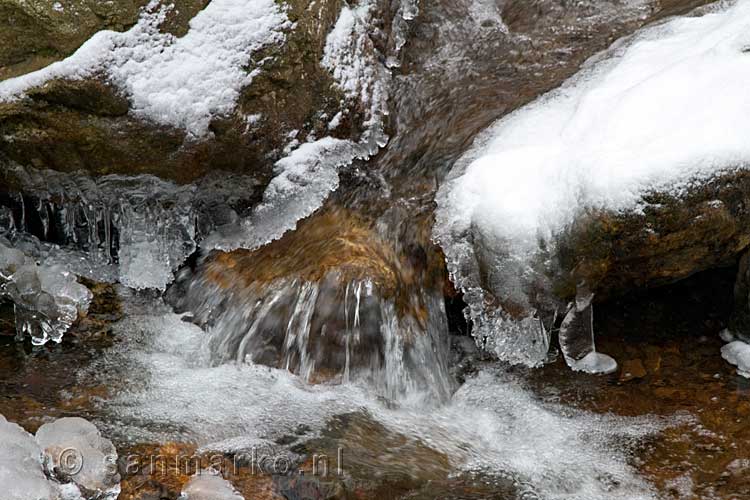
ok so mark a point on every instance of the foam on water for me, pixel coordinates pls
(492, 424)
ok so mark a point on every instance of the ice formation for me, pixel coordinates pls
(306, 176)
(737, 353)
(74, 450)
(137, 230)
(352, 59)
(660, 111)
(67, 460)
(304, 180)
(46, 299)
(21, 474)
(207, 486)
(183, 82)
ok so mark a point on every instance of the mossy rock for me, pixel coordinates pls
(673, 237)
(72, 125)
(34, 33)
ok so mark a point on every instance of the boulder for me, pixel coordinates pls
(72, 124)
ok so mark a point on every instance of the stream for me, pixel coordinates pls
(335, 360)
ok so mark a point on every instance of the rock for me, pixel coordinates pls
(37, 32)
(672, 238)
(75, 450)
(87, 124)
(632, 369)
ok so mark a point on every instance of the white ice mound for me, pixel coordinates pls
(738, 354)
(47, 299)
(74, 450)
(207, 486)
(595, 363)
(663, 109)
(182, 82)
(21, 474)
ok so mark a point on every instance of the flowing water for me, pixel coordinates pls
(337, 340)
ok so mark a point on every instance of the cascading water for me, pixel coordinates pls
(288, 319)
(332, 329)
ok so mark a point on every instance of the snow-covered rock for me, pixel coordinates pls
(182, 82)
(664, 111)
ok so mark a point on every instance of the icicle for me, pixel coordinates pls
(577, 337)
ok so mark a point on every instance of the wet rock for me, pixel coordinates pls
(672, 238)
(338, 298)
(632, 369)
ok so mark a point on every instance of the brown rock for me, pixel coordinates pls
(632, 369)
(84, 125)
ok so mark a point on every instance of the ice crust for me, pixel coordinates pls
(662, 110)
(137, 230)
(21, 473)
(93, 467)
(207, 486)
(183, 82)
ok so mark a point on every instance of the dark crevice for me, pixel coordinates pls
(700, 305)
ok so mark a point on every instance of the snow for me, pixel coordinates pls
(182, 82)
(304, 180)
(737, 353)
(207, 486)
(661, 110)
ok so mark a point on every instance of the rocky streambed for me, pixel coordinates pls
(282, 249)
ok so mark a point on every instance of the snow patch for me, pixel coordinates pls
(182, 82)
